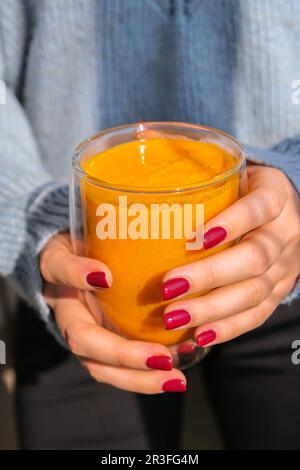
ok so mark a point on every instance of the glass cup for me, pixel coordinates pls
(133, 306)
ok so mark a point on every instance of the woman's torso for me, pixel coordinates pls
(93, 64)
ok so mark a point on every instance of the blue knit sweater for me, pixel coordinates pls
(74, 67)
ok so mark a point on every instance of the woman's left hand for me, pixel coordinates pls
(246, 281)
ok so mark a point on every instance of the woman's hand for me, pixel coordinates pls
(250, 279)
(108, 357)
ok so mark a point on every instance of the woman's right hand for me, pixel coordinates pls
(109, 358)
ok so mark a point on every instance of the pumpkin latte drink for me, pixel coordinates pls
(140, 196)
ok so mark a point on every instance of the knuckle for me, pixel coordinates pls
(256, 292)
(63, 268)
(289, 289)
(63, 276)
(213, 313)
(260, 259)
(122, 356)
(296, 227)
(67, 272)
(286, 183)
(286, 288)
(44, 262)
(74, 336)
(95, 375)
(258, 319)
(210, 275)
(262, 314)
(275, 203)
(291, 284)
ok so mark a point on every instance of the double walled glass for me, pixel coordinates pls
(133, 307)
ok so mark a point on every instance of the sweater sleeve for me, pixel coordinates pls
(32, 206)
(286, 157)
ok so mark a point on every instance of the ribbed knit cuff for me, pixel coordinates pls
(286, 157)
(46, 215)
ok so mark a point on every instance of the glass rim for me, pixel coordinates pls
(148, 190)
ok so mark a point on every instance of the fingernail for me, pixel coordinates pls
(174, 287)
(186, 348)
(214, 236)
(97, 279)
(174, 385)
(206, 337)
(159, 362)
(176, 318)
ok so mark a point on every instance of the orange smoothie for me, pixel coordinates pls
(159, 168)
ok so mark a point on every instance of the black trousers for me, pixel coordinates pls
(253, 385)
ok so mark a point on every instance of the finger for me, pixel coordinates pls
(147, 382)
(263, 203)
(232, 299)
(250, 258)
(86, 338)
(59, 266)
(218, 304)
(236, 325)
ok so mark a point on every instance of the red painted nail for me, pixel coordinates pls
(159, 362)
(176, 318)
(97, 279)
(174, 287)
(206, 337)
(174, 385)
(186, 348)
(214, 236)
